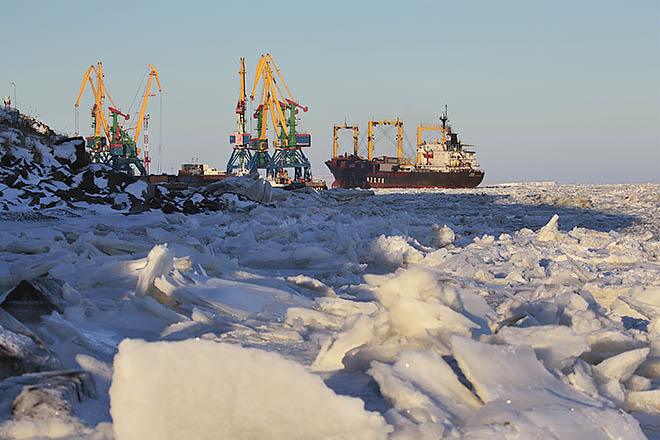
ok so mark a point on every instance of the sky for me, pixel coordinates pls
(567, 91)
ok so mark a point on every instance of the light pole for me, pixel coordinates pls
(15, 100)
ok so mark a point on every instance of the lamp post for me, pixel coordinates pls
(15, 100)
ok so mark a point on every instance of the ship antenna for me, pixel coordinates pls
(444, 118)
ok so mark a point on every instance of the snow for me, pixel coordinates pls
(513, 311)
(138, 189)
(67, 151)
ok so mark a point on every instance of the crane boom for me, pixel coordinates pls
(99, 93)
(86, 77)
(240, 106)
(258, 72)
(279, 115)
(138, 128)
(272, 98)
(242, 73)
(270, 58)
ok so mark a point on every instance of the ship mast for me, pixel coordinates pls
(444, 118)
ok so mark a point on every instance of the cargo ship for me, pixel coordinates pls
(443, 163)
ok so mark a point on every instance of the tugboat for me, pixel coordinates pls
(443, 163)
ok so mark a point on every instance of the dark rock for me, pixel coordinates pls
(169, 208)
(30, 300)
(82, 156)
(189, 207)
(49, 205)
(21, 351)
(137, 205)
(10, 180)
(87, 183)
(117, 181)
(45, 395)
(6, 160)
(64, 195)
(59, 176)
(76, 193)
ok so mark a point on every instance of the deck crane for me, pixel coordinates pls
(399, 136)
(241, 155)
(335, 132)
(288, 144)
(420, 129)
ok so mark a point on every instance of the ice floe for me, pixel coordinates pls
(517, 311)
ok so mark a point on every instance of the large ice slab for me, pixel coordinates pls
(523, 400)
(201, 389)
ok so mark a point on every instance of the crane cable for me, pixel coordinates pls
(412, 152)
(361, 140)
(408, 151)
(387, 135)
(130, 107)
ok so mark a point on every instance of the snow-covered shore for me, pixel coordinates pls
(352, 314)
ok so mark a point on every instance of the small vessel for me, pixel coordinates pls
(443, 163)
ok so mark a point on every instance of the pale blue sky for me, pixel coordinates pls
(562, 90)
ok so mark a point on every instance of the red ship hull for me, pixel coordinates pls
(355, 172)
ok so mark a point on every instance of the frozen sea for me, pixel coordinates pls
(515, 311)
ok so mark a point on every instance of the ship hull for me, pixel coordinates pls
(353, 172)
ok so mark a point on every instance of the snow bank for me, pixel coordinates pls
(201, 389)
(41, 170)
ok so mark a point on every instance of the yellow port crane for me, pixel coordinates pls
(240, 155)
(110, 143)
(240, 105)
(100, 93)
(355, 138)
(153, 73)
(272, 99)
(288, 143)
(399, 136)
